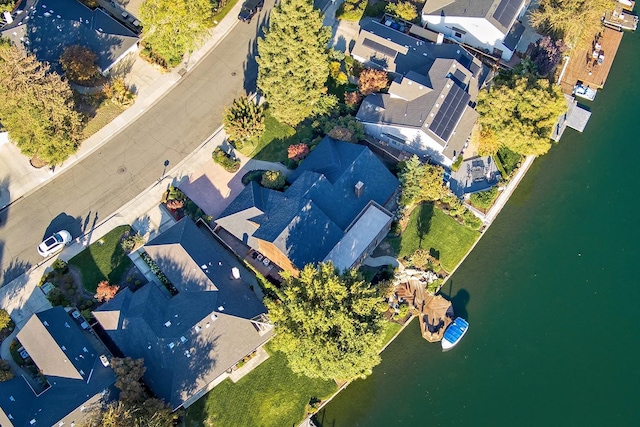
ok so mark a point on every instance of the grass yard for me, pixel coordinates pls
(430, 228)
(277, 137)
(390, 330)
(103, 261)
(221, 13)
(104, 115)
(271, 395)
(507, 161)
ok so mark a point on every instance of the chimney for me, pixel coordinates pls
(440, 38)
(359, 188)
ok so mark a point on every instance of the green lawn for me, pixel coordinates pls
(271, 395)
(221, 13)
(277, 137)
(430, 228)
(390, 330)
(104, 115)
(103, 261)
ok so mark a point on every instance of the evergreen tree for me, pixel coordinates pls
(243, 121)
(328, 325)
(37, 107)
(174, 27)
(293, 62)
(519, 113)
(421, 182)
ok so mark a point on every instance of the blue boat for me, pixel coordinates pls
(454, 333)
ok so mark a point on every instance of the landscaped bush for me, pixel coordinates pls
(273, 180)
(226, 161)
(56, 297)
(351, 10)
(298, 152)
(59, 266)
(254, 175)
(159, 274)
(5, 319)
(344, 128)
(484, 199)
(507, 161)
(132, 241)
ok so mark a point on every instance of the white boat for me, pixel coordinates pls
(584, 91)
(454, 333)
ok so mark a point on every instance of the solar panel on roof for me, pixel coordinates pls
(460, 76)
(450, 112)
(473, 67)
(380, 48)
(507, 11)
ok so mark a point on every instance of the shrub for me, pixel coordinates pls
(273, 179)
(224, 160)
(403, 311)
(118, 92)
(334, 69)
(86, 313)
(56, 297)
(5, 371)
(297, 152)
(175, 204)
(176, 194)
(456, 165)
(60, 266)
(132, 241)
(403, 10)
(351, 10)
(484, 199)
(423, 260)
(71, 292)
(471, 221)
(254, 175)
(372, 80)
(243, 120)
(5, 319)
(345, 128)
(341, 79)
(105, 291)
(352, 99)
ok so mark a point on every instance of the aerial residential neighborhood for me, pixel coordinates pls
(222, 212)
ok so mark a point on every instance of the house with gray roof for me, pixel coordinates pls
(428, 109)
(46, 27)
(490, 25)
(336, 209)
(190, 339)
(76, 380)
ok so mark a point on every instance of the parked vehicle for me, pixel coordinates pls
(249, 9)
(55, 243)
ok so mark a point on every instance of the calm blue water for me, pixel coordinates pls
(552, 294)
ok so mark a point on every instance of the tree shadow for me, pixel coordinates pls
(460, 300)
(423, 223)
(142, 224)
(16, 268)
(250, 66)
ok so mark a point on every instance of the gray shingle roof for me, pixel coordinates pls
(46, 31)
(501, 13)
(71, 365)
(192, 338)
(310, 217)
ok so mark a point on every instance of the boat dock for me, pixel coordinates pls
(576, 118)
(591, 66)
(620, 20)
(435, 312)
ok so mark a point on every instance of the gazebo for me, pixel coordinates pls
(436, 315)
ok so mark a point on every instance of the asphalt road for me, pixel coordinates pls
(97, 186)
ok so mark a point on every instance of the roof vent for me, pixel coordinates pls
(235, 273)
(64, 348)
(183, 339)
(11, 398)
(171, 345)
(66, 325)
(198, 328)
(32, 422)
(359, 188)
(213, 317)
(220, 308)
(45, 323)
(168, 323)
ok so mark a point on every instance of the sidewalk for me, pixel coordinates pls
(18, 178)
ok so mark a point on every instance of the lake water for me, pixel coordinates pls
(552, 294)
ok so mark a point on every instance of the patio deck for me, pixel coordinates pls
(584, 67)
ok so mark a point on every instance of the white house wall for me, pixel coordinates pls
(416, 141)
(480, 33)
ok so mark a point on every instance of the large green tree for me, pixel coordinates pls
(421, 182)
(293, 62)
(37, 107)
(174, 27)
(329, 325)
(519, 113)
(575, 21)
(243, 120)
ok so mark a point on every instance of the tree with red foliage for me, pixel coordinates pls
(298, 151)
(372, 80)
(105, 291)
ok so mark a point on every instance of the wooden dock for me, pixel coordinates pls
(591, 66)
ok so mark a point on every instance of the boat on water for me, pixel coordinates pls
(583, 91)
(454, 333)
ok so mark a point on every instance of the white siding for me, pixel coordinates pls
(480, 33)
(415, 140)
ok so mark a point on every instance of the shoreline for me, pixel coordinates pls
(491, 215)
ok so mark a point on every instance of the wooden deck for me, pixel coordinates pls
(415, 294)
(584, 67)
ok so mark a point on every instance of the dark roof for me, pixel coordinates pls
(450, 112)
(311, 216)
(71, 365)
(501, 13)
(403, 53)
(47, 27)
(189, 339)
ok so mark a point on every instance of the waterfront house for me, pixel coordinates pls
(46, 27)
(428, 109)
(492, 26)
(73, 379)
(190, 333)
(336, 209)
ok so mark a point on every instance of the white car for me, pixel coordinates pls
(55, 243)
